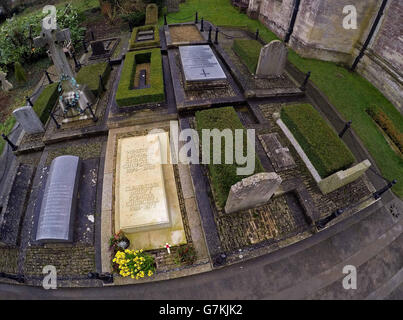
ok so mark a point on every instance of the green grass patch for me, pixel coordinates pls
(46, 101)
(126, 95)
(134, 45)
(248, 51)
(6, 128)
(324, 148)
(352, 95)
(89, 75)
(223, 176)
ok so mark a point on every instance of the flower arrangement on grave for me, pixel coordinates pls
(69, 94)
(134, 263)
(186, 255)
(119, 242)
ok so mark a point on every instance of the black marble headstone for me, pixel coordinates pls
(98, 48)
(59, 201)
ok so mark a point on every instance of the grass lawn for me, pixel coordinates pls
(223, 176)
(324, 148)
(350, 93)
(249, 52)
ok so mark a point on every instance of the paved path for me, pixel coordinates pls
(310, 269)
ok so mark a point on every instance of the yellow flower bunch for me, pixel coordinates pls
(134, 263)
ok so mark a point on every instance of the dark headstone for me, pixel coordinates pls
(98, 48)
(142, 79)
(59, 201)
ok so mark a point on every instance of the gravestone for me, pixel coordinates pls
(140, 196)
(5, 85)
(252, 191)
(145, 35)
(151, 14)
(98, 48)
(28, 119)
(280, 157)
(59, 201)
(53, 39)
(272, 59)
(172, 5)
(143, 79)
(201, 67)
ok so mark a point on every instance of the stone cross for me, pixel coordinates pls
(53, 39)
(272, 59)
(5, 85)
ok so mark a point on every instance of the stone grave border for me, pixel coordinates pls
(196, 230)
(106, 55)
(143, 45)
(184, 104)
(171, 44)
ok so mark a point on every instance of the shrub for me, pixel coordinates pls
(19, 73)
(144, 44)
(89, 75)
(223, 176)
(46, 101)
(134, 263)
(135, 19)
(186, 255)
(248, 51)
(126, 95)
(324, 148)
(387, 125)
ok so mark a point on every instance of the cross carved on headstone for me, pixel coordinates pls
(53, 39)
(204, 73)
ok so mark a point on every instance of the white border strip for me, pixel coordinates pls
(299, 150)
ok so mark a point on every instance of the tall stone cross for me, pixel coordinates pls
(53, 39)
(5, 85)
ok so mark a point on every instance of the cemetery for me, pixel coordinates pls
(96, 186)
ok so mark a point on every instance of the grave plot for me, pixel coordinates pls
(145, 37)
(183, 34)
(103, 48)
(259, 69)
(249, 211)
(62, 212)
(136, 88)
(200, 79)
(348, 193)
(148, 200)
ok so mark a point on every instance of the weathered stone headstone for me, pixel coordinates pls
(200, 65)
(280, 157)
(29, 120)
(56, 219)
(253, 191)
(141, 201)
(272, 59)
(172, 5)
(98, 48)
(151, 14)
(53, 39)
(5, 85)
(343, 177)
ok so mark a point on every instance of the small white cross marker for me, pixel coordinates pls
(168, 247)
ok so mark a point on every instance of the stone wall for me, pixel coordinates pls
(319, 33)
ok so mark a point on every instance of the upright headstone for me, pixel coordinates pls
(59, 201)
(252, 191)
(272, 59)
(173, 5)
(98, 48)
(53, 39)
(5, 85)
(28, 119)
(151, 14)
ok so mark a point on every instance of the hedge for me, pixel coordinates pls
(387, 126)
(46, 101)
(135, 45)
(324, 148)
(126, 95)
(223, 176)
(248, 51)
(89, 75)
